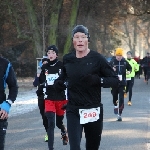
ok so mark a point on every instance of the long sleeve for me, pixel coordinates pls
(128, 66)
(12, 84)
(110, 78)
(63, 74)
(36, 81)
(136, 66)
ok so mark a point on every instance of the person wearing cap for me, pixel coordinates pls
(54, 100)
(7, 78)
(138, 73)
(41, 104)
(130, 77)
(119, 65)
(146, 65)
(85, 71)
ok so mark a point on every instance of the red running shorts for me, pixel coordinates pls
(55, 106)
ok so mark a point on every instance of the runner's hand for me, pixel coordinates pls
(5, 107)
(59, 85)
(64, 106)
(3, 114)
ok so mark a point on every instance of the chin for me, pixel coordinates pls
(51, 59)
(80, 50)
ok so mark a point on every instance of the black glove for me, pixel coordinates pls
(91, 80)
(64, 106)
(59, 85)
(39, 92)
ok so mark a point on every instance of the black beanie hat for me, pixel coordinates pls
(54, 48)
(129, 53)
(82, 29)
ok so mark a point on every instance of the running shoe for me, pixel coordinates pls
(125, 95)
(46, 138)
(119, 118)
(129, 103)
(64, 139)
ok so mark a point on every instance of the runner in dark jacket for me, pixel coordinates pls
(54, 100)
(86, 71)
(120, 65)
(41, 103)
(7, 76)
(146, 65)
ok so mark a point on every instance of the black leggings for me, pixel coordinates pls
(115, 91)
(3, 127)
(51, 125)
(93, 131)
(42, 111)
(129, 87)
(145, 69)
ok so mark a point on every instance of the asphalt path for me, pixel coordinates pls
(25, 132)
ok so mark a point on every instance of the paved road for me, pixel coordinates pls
(25, 132)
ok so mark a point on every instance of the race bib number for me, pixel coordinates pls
(120, 77)
(89, 115)
(51, 78)
(128, 79)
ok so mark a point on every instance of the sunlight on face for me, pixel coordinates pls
(51, 55)
(80, 42)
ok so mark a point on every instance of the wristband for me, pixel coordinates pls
(5, 106)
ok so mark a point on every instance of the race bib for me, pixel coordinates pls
(128, 78)
(51, 78)
(120, 77)
(89, 115)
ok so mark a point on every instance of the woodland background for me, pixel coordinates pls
(27, 27)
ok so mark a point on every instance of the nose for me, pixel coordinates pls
(80, 39)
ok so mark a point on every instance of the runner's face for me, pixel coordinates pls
(119, 57)
(51, 55)
(80, 42)
(129, 56)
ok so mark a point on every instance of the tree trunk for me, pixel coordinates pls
(73, 18)
(13, 13)
(34, 27)
(128, 35)
(54, 20)
(135, 37)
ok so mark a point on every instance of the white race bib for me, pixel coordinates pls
(128, 78)
(51, 78)
(120, 77)
(89, 115)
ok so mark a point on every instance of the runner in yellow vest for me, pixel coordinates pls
(130, 77)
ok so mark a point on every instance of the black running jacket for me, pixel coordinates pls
(74, 69)
(7, 77)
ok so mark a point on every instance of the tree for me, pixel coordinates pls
(36, 37)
